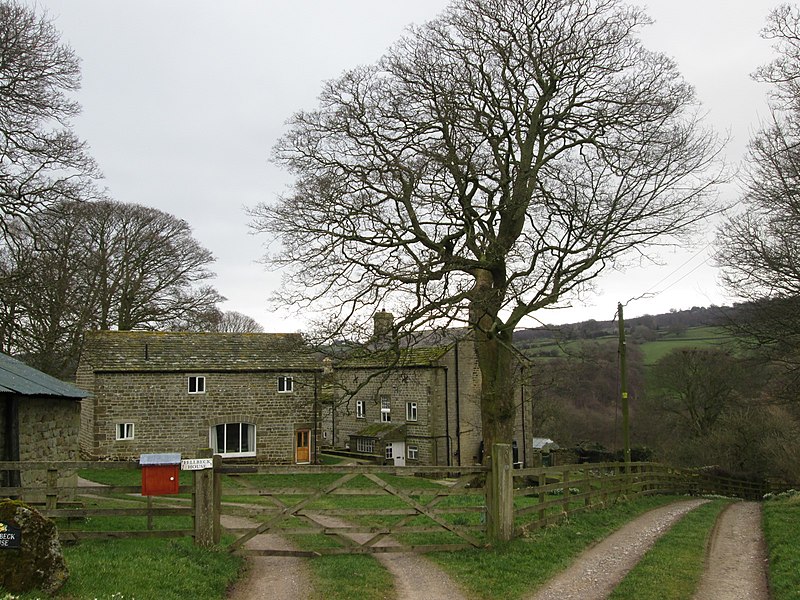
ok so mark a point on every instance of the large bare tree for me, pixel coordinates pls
(759, 248)
(87, 265)
(42, 161)
(491, 164)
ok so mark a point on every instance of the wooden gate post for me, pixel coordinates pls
(500, 496)
(204, 503)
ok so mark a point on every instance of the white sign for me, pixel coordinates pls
(197, 464)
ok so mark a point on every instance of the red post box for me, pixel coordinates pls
(160, 473)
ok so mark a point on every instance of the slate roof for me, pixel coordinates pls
(389, 432)
(154, 351)
(404, 357)
(18, 378)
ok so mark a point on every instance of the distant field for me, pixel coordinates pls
(695, 337)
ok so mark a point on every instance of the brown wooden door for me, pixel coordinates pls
(303, 452)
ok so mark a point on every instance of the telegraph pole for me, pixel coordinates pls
(623, 384)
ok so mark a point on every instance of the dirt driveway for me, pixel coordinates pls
(735, 566)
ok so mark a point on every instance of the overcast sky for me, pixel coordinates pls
(184, 99)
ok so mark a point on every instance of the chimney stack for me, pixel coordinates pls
(382, 323)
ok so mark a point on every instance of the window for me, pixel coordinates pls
(389, 450)
(365, 445)
(386, 409)
(361, 409)
(197, 384)
(285, 384)
(233, 439)
(412, 452)
(411, 411)
(124, 431)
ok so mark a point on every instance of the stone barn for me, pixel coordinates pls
(250, 396)
(39, 421)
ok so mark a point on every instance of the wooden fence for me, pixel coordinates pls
(356, 509)
(79, 510)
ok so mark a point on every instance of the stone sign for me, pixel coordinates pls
(37, 563)
(10, 536)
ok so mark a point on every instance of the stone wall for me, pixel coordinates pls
(418, 384)
(48, 431)
(448, 395)
(2, 425)
(167, 418)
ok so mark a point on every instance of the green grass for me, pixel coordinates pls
(695, 337)
(514, 570)
(782, 530)
(145, 569)
(672, 569)
(104, 568)
(351, 576)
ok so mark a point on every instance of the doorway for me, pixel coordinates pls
(303, 446)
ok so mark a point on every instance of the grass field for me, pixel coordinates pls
(126, 569)
(695, 337)
(782, 530)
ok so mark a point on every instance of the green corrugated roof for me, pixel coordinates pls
(169, 351)
(18, 378)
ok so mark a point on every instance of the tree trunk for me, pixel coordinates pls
(497, 388)
(493, 341)
(493, 348)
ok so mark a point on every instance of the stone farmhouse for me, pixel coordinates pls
(247, 396)
(39, 421)
(418, 406)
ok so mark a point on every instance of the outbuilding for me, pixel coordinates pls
(39, 421)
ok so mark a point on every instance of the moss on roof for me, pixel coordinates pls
(170, 351)
(380, 430)
(395, 357)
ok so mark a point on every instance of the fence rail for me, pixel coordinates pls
(72, 505)
(351, 509)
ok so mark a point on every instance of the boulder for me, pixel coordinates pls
(34, 560)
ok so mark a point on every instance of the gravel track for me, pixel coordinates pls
(735, 564)
(596, 572)
(736, 567)
(269, 577)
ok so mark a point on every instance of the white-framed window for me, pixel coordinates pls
(197, 384)
(412, 452)
(124, 431)
(365, 445)
(389, 451)
(361, 409)
(386, 409)
(233, 439)
(285, 384)
(411, 411)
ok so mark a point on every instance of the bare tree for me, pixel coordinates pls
(493, 163)
(698, 385)
(146, 267)
(85, 265)
(232, 321)
(41, 160)
(759, 249)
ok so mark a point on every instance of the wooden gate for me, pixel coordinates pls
(357, 509)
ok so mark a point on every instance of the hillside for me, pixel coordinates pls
(656, 335)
